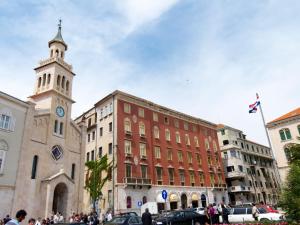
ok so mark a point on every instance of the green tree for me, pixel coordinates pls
(290, 198)
(98, 173)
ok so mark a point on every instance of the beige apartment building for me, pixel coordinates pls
(42, 144)
(249, 168)
(154, 148)
(13, 116)
(284, 131)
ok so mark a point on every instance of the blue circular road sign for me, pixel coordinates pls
(164, 194)
(140, 203)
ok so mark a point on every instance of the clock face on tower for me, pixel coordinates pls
(60, 111)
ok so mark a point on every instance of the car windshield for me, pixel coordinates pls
(262, 210)
(118, 220)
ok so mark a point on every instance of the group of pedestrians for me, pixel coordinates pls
(214, 212)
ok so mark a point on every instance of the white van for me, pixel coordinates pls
(238, 215)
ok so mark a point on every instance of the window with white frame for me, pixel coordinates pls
(176, 123)
(156, 132)
(157, 152)
(190, 157)
(3, 150)
(215, 146)
(141, 112)
(127, 144)
(127, 125)
(159, 175)
(142, 129)
(285, 134)
(128, 170)
(155, 117)
(180, 156)
(127, 108)
(196, 140)
(143, 152)
(144, 171)
(170, 154)
(187, 140)
(177, 136)
(186, 126)
(168, 135)
(206, 144)
(182, 177)
(192, 178)
(7, 121)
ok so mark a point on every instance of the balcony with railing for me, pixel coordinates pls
(235, 174)
(239, 188)
(137, 181)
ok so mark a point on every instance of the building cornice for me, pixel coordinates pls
(49, 92)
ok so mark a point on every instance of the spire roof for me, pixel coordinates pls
(58, 37)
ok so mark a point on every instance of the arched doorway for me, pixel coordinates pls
(183, 201)
(195, 200)
(173, 201)
(203, 200)
(60, 199)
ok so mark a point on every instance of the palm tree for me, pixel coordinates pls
(98, 173)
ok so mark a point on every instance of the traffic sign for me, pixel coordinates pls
(164, 194)
(140, 203)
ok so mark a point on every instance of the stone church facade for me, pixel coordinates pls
(49, 178)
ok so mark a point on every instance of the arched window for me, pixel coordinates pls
(39, 82)
(144, 199)
(298, 129)
(156, 132)
(62, 54)
(56, 126)
(56, 53)
(177, 136)
(67, 85)
(196, 141)
(51, 53)
(168, 135)
(142, 128)
(287, 154)
(127, 125)
(128, 201)
(285, 134)
(63, 82)
(61, 128)
(44, 79)
(49, 78)
(34, 166)
(58, 81)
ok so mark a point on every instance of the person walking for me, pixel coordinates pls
(254, 212)
(146, 217)
(216, 214)
(20, 216)
(225, 213)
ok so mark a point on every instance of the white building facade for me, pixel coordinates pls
(284, 131)
(249, 168)
(13, 116)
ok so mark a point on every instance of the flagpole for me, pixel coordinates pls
(270, 146)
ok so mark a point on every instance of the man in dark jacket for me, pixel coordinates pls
(147, 218)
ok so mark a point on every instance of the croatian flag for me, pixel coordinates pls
(253, 107)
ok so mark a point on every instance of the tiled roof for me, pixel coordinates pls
(295, 112)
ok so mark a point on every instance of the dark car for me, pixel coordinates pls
(128, 214)
(125, 220)
(182, 217)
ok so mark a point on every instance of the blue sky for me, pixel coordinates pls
(204, 58)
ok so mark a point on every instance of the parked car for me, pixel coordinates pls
(128, 214)
(245, 215)
(200, 210)
(187, 217)
(125, 220)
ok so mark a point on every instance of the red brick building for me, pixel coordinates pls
(154, 148)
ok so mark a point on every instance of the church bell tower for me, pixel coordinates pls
(53, 87)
